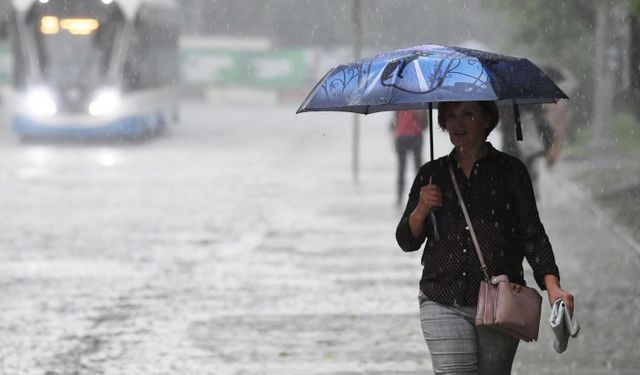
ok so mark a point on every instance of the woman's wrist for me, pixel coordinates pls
(551, 282)
(421, 212)
(416, 222)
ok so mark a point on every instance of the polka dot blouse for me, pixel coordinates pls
(502, 207)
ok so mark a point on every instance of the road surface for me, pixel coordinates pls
(238, 244)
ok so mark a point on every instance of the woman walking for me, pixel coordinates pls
(498, 193)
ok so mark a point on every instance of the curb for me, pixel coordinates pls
(603, 216)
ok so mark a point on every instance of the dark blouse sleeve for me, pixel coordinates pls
(532, 237)
(405, 238)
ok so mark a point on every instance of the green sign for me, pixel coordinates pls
(259, 69)
(284, 68)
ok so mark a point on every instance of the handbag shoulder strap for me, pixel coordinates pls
(483, 266)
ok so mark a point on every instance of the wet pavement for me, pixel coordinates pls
(239, 244)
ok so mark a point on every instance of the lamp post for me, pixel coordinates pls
(357, 50)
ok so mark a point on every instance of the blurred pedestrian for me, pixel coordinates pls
(551, 123)
(407, 127)
(498, 194)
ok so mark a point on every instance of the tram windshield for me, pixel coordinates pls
(74, 40)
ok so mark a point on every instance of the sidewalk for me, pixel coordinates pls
(598, 261)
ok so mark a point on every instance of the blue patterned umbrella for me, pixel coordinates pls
(412, 78)
(421, 76)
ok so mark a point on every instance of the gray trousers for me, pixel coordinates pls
(457, 346)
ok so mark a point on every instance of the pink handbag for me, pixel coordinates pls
(511, 308)
(507, 307)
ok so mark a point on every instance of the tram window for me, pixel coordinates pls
(153, 55)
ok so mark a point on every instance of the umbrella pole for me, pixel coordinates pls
(431, 129)
(436, 234)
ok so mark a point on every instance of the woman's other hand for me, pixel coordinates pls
(555, 292)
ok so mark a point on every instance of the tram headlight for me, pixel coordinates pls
(41, 101)
(104, 102)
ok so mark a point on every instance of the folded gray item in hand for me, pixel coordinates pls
(562, 325)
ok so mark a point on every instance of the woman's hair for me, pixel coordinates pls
(489, 108)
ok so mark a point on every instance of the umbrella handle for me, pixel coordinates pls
(436, 235)
(432, 215)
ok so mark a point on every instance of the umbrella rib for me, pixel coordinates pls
(373, 83)
(420, 76)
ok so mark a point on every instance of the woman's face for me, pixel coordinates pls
(466, 124)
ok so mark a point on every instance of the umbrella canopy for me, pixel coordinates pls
(412, 78)
(421, 76)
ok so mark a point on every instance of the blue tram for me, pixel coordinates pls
(93, 68)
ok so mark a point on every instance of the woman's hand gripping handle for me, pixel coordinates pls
(430, 198)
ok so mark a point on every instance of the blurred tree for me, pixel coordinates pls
(559, 33)
(5, 14)
(591, 39)
(634, 57)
